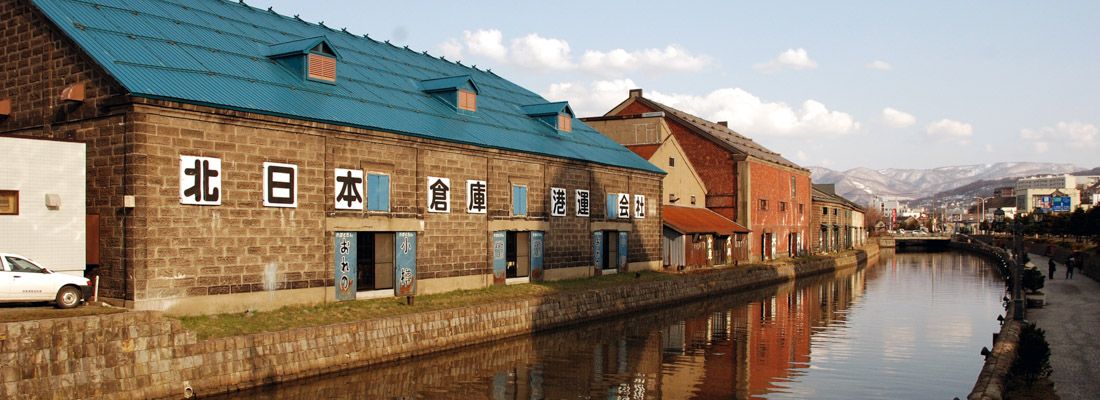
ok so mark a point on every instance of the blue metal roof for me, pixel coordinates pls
(216, 53)
(449, 83)
(536, 110)
(300, 46)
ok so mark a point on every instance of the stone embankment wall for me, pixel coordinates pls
(991, 381)
(144, 355)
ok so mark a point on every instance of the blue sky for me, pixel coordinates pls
(836, 84)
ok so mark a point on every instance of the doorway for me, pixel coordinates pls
(518, 254)
(374, 265)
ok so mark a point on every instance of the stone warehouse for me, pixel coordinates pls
(745, 182)
(241, 159)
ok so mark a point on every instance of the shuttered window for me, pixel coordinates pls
(378, 192)
(519, 200)
(565, 123)
(467, 100)
(612, 205)
(322, 67)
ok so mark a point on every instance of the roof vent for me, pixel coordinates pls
(459, 91)
(314, 58)
(635, 93)
(558, 115)
(724, 123)
(653, 114)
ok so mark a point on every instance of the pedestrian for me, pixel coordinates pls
(1050, 268)
(1072, 262)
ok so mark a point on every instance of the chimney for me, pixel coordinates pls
(635, 93)
(724, 123)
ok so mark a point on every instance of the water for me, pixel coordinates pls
(907, 327)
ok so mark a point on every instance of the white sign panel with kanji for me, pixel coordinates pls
(200, 181)
(584, 203)
(439, 195)
(639, 206)
(348, 189)
(476, 197)
(280, 185)
(558, 200)
(622, 206)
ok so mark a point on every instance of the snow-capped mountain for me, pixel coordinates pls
(864, 184)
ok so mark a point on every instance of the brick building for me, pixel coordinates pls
(745, 182)
(839, 222)
(241, 159)
(693, 235)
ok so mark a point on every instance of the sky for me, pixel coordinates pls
(840, 84)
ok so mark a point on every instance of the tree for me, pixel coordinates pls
(871, 216)
(1078, 224)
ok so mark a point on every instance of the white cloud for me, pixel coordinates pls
(541, 53)
(617, 61)
(879, 65)
(1076, 133)
(451, 49)
(950, 131)
(802, 156)
(989, 148)
(897, 119)
(536, 52)
(486, 42)
(594, 99)
(796, 59)
(1042, 147)
(747, 113)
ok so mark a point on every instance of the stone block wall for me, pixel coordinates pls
(144, 355)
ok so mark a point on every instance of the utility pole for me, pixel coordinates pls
(1017, 273)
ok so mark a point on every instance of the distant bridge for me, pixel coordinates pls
(914, 240)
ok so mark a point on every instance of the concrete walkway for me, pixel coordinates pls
(1071, 319)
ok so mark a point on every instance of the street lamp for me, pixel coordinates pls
(981, 210)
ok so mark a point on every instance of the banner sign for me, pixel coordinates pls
(597, 251)
(345, 265)
(536, 255)
(622, 251)
(500, 263)
(405, 262)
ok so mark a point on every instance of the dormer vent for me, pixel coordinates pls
(558, 115)
(314, 58)
(459, 91)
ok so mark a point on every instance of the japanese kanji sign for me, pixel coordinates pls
(348, 189)
(439, 195)
(558, 200)
(346, 262)
(200, 180)
(584, 203)
(476, 197)
(622, 206)
(280, 185)
(405, 255)
(639, 206)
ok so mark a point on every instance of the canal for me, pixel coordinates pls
(908, 326)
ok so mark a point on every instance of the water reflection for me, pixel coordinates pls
(908, 327)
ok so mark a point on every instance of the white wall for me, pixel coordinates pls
(54, 238)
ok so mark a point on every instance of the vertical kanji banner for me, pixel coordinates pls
(345, 265)
(622, 251)
(405, 264)
(597, 250)
(500, 264)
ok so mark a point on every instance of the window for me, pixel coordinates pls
(782, 206)
(834, 212)
(693, 200)
(519, 200)
(763, 205)
(794, 191)
(800, 211)
(671, 162)
(824, 210)
(565, 123)
(467, 100)
(9, 202)
(378, 192)
(322, 67)
(21, 265)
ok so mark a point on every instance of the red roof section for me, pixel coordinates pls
(644, 150)
(698, 220)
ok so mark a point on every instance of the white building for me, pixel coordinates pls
(1038, 192)
(42, 207)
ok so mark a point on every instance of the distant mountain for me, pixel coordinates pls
(861, 185)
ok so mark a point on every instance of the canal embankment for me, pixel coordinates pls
(148, 355)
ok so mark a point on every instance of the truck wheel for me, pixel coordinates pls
(68, 297)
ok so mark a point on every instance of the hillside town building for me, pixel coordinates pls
(241, 159)
(1052, 193)
(745, 182)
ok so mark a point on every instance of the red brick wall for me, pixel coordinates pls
(773, 183)
(712, 162)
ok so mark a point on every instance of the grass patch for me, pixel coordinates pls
(223, 325)
(17, 312)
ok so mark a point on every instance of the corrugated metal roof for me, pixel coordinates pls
(724, 134)
(215, 53)
(698, 220)
(535, 110)
(300, 46)
(449, 83)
